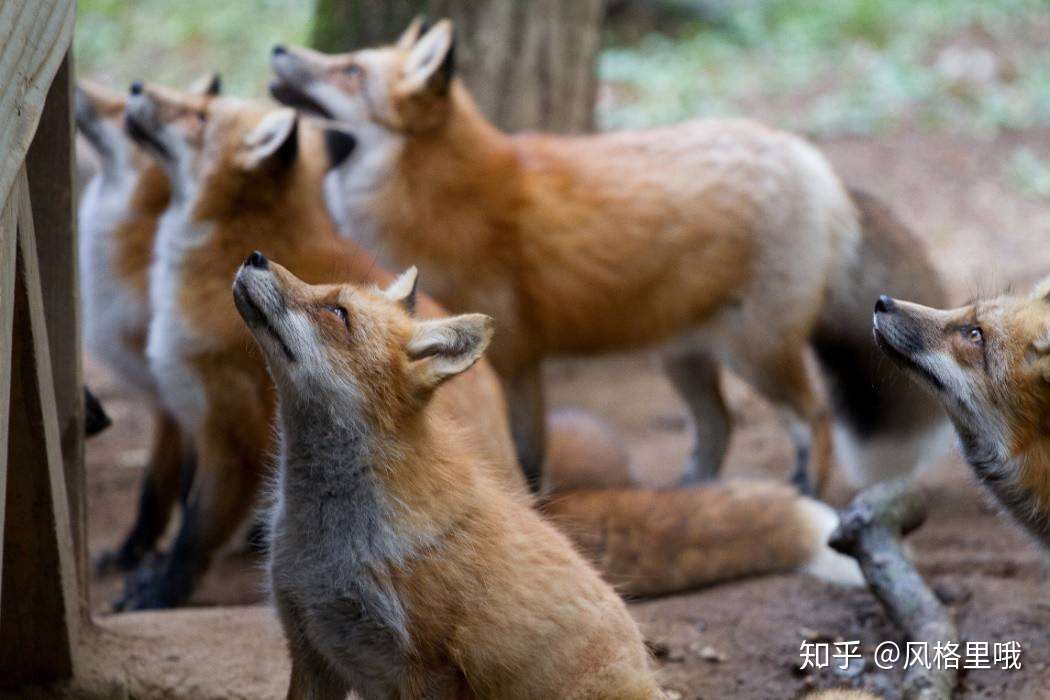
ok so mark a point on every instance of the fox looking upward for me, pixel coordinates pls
(720, 242)
(989, 364)
(250, 178)
(399, 566)
(117, 221)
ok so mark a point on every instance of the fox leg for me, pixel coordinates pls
(167, 464)
(695, 376)
(528, 421)
(223, 493)
(785, 379)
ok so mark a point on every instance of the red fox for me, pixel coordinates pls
(117, 219)
(399, 566)
(989, 364)
(721, 242)
(250, 178)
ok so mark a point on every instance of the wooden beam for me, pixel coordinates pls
(39, 606)
(49, 164)
(34, 37)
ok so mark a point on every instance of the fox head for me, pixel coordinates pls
(989, 364)
(99, 112)
(354, 348)
(400, 88)
(228, 148)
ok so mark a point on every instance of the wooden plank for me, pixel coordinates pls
(39, 609)
(34, 37)
(49, 164)
(8, 256)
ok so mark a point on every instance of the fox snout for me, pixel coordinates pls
(905, 336)
(295, 70)
(142, 122)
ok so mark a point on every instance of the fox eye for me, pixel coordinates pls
(341, 313)
(353, 69)
(202, 117)
(974, 334)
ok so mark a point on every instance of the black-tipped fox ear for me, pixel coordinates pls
(403, 289)
(275, 140)
(445, 347)
(339, 144)
(208, 85)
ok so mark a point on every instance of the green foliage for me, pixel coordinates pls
(175, 42)
(844, 66)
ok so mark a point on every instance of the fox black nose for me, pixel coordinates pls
(884, 305)
(257, 260)
(136, 88)
(278, 49)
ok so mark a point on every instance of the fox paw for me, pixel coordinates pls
(112, 561)
(149, 587)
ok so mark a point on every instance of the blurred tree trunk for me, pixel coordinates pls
(531, 64)
(342, 25)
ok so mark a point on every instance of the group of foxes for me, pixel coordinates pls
(407, 554)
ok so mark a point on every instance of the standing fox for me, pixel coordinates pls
(117, 221)
(989, 364)
(720, 242)
(399, 566)
(250, 177)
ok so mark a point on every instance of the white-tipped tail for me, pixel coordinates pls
(825, 563)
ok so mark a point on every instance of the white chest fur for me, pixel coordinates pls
(113, 313)
(171, 344)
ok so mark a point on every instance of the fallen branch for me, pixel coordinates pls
(870, 531)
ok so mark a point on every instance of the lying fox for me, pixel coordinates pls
(989, 364)
(117, 221)
(398, 565)
(720, 242)
(250, 176)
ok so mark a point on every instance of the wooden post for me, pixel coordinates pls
(39, 603)
(41, 608)
(51, 184)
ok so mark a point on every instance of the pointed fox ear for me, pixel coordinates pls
(403, 289)
(443, 348)
(411, 35)
(274, 141)
(430, 63)
(207, 85)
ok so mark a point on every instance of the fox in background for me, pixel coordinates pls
(989, 365)
(398, 565)
(246, 176)
(721, 242)
(117, 219)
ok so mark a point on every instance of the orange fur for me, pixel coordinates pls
(279, 212)
(497, 602)
(989, 362)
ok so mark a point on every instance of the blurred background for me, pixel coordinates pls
(939, 107)
(958, 88)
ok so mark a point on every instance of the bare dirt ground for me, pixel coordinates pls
(742, 640)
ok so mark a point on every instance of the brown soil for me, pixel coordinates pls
(741, 640)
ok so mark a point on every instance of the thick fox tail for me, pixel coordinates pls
(92, 103)
(653, 542)
(886, 424)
